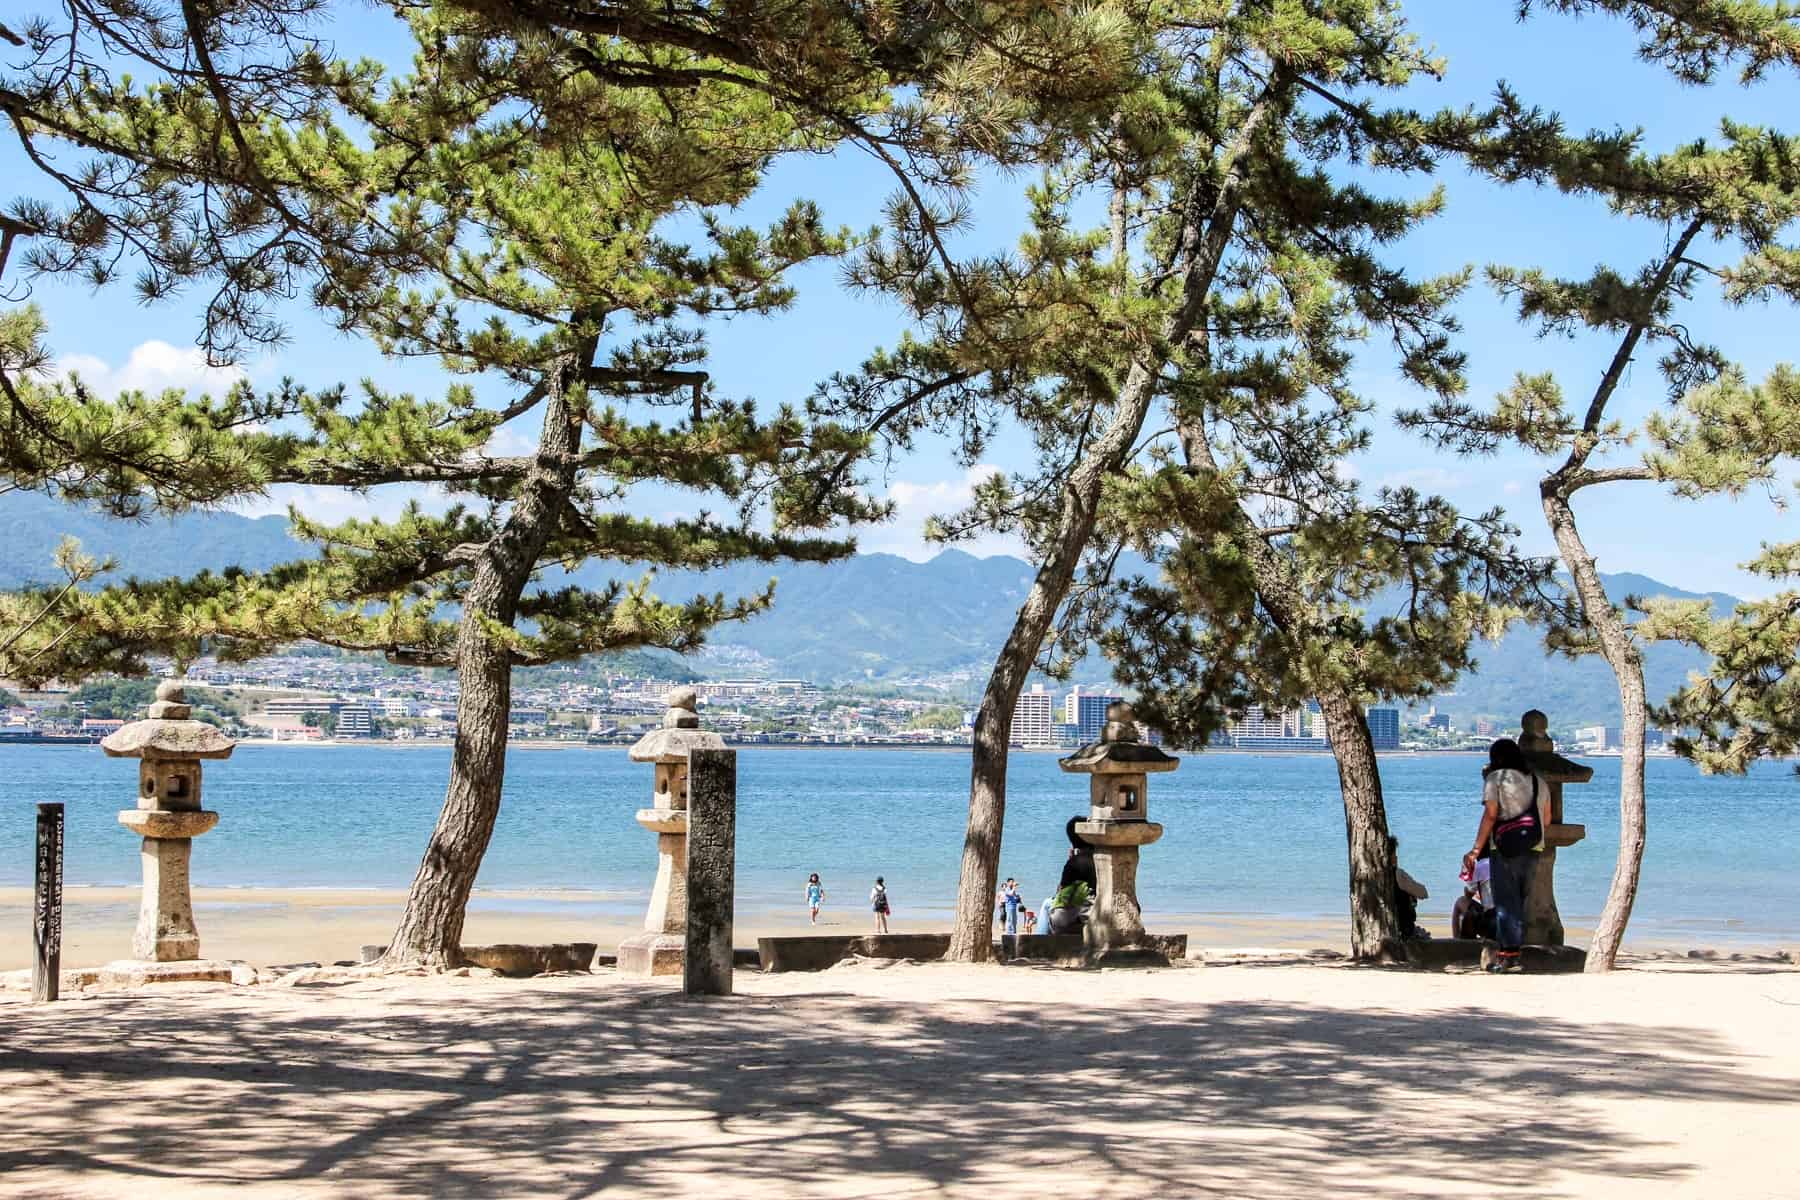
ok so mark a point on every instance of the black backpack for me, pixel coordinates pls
(1522, 834)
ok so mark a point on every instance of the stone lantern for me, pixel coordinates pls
(168, 816)
(1543, 924)
(659, 950)
(1118, 825)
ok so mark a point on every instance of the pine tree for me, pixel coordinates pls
(233, 172)
(1281, 583)
(470, 222)
(1739, 194)
(1223, 154)
(1731, 435)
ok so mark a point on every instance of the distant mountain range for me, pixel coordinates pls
(874, 618)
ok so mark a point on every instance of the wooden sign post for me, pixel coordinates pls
(47, 905)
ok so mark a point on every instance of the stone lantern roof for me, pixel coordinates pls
(680, 731)
(1118, 752)
(168, 733)
(1540, 752)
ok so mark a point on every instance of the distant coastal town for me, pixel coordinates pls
(338, 699)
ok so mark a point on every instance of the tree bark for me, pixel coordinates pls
(1617, 645)
(1627, 662)
(430, 931)
(1374, 921)
(1205, 237)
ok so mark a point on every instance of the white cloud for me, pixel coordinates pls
(917, 501)
(151, 367)
(1512, 487)
(512, 440)
(333, 505)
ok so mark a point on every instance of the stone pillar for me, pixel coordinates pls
(711, 871)
(659, 949)
(168, 816)
(47, 905)
(1118, 826)
(1117, 920)
(1543, 923)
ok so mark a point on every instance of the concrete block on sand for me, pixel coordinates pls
(520, 959)
(817, 953)
(131, 973)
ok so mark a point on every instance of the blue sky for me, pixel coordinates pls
(1584, 69)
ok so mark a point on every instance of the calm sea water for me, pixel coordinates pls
(1244, 834)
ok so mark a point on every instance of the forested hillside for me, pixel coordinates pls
(873, 618)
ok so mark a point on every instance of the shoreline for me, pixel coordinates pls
(562, 744)
(267, 926)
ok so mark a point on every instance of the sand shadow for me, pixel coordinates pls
(630, 1088)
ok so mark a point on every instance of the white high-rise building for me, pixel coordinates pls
(355, 720)
(1259, 724)
(1034, 718)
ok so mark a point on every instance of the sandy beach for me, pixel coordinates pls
(269, 926)
(915, 1080)
(266, 926)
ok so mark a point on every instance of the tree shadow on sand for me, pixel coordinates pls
(623, 1088)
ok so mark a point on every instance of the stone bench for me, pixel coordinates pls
(817, 953)
(511, 958)
(1071, 950)
(1438, 954)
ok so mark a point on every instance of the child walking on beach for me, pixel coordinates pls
(878, 900)
(815, 896)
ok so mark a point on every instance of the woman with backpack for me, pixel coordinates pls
(1512, 829)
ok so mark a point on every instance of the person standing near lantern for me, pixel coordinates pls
(1512, 829)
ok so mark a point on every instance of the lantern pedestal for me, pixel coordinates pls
(662, 948)
(1543, 923)
(659, 949)
(1117, 919)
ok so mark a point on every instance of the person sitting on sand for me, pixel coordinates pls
(815, 895)
(1512, 828)
(1407, 894)
(1473, 915)
(878, 900)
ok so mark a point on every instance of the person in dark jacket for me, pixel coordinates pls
(1077, 868)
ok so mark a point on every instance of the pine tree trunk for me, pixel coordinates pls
(1374, 921)
(430, 931)
(971, 936)
(1204, 239)
(1622, 654)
